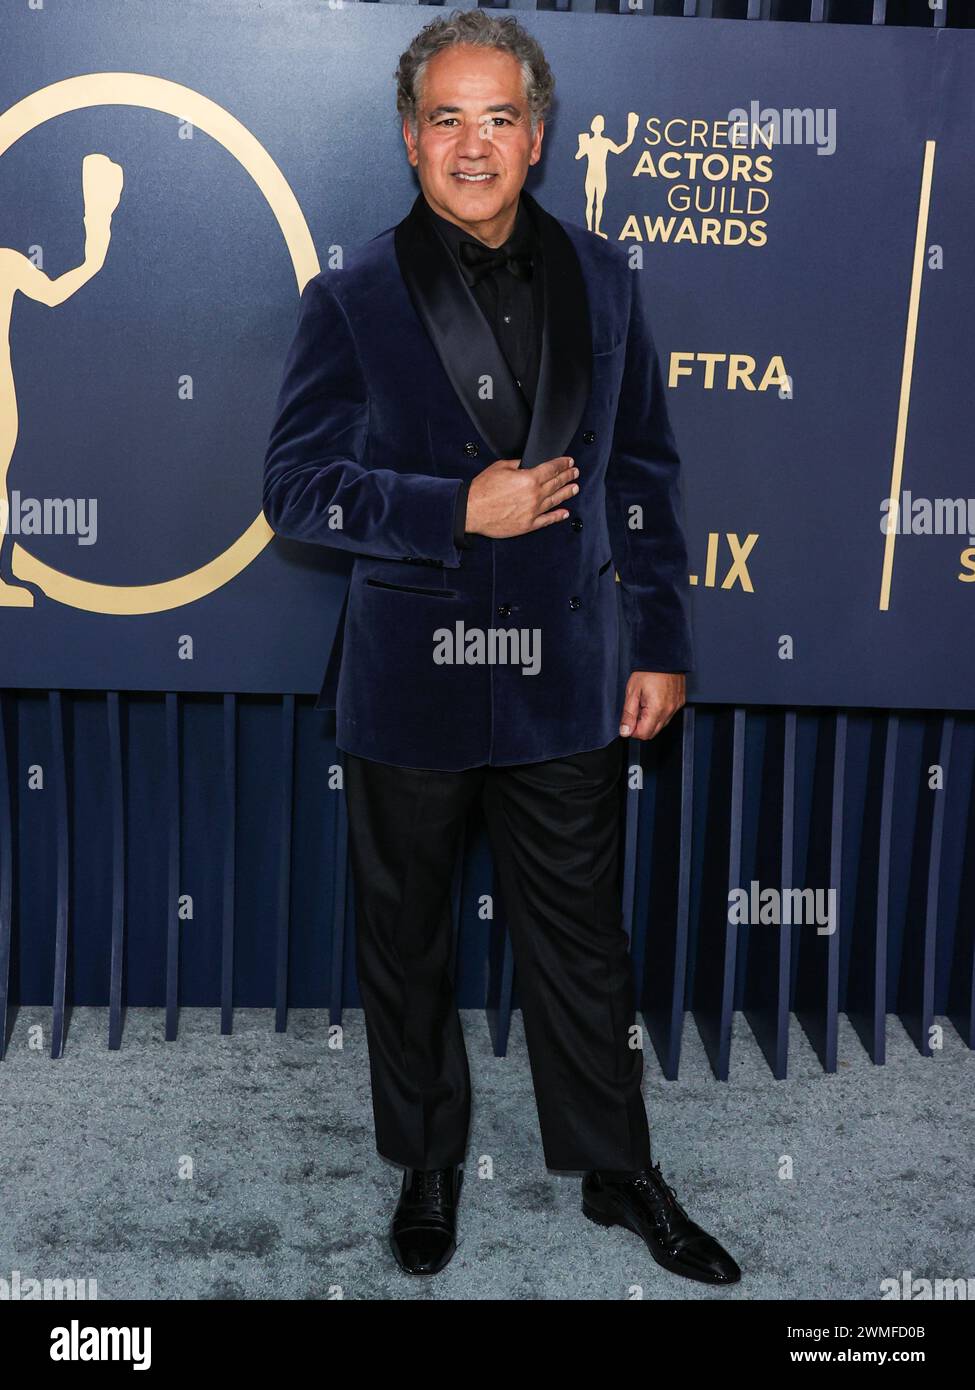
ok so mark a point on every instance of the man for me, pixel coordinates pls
(474, 408)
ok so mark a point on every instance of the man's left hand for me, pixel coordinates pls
(652, 699)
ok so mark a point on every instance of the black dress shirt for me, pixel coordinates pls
(512, 306)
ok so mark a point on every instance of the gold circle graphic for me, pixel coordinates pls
(172, 99)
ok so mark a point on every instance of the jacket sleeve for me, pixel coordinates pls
(643, 509)
(317, 486)
(460, 517)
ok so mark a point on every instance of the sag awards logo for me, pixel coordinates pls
(710, 178)
(102, 186)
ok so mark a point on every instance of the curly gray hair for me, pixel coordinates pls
(482, 30)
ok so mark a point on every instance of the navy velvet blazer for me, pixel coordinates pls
(394, 393)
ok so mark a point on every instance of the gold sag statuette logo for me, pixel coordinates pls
(102, 188)
(594, 146)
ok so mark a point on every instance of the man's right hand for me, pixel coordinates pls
(507, 500)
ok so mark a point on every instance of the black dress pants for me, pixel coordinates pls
(554, 832)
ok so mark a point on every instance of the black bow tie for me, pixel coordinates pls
(478, 260)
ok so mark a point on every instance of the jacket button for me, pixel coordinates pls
(576, 523)
(504, 610)
(589, 437)
(471, 449)
(575, 602)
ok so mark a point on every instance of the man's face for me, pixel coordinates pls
(472, 118)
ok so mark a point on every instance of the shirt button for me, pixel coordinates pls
(576, 523)
(589, 437)
(507, 318)
(470, 448)
(504, 610)
(575, 602)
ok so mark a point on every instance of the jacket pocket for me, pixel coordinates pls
(410, 589)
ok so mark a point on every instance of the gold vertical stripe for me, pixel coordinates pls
(906, 371)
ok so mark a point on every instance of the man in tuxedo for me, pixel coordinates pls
(473, 407)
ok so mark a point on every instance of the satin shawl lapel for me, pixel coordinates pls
(468, 350)
(565, 369)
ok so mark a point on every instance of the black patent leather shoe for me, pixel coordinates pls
(423, 1232)
(648, 1206)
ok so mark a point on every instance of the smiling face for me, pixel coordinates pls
(473, 144)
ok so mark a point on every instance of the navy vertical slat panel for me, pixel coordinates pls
(117, 798)
(914, 837)
(879, 1041)
(713, 758)
(953, 985)
(956, 827)
(717, 939)
(919, 1013)
(60, 779)
(752, 988)
(765, 995)
(6, 878)
(808, 743)
(757, 812)
(340, 904)
(817, 982)
(723, 1055)
(706, 721)
(286, 822)
(960, 1005)
(866, 1004)
(836, 887)
(173, 865)
(229, 862)
(879, 1052)
(780, 1065)
(808, 815)
(910, 838)
(864, 747)
(664, 959)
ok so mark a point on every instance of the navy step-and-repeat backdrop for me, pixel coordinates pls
(798, 203)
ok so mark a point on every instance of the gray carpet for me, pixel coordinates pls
(244, 1167)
